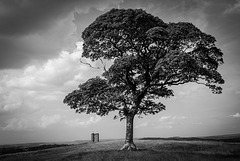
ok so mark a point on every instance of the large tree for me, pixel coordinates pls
(149, 56)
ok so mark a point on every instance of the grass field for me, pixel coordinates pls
(153, 149)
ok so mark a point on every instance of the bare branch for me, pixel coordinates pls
(104, 64)
(86, 63)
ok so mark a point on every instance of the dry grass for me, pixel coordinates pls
(153, 150)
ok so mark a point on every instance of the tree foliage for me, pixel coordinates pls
(149, 57)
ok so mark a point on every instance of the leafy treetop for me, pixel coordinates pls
(149, 57)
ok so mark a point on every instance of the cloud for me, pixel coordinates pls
(233, 8)
(164, 122)
(46, 121)
(196, 123)
(236, 115)
(142, 125)
(9, 101)
(172, 118)
(30, 16)
(48, 96)
(179, 117)
(237, 92)
(23, 40)
(54, 72)
(175, 11)
(15, 124)
(27, 89)
(79, 122)
(189, 89)
(24, 101)
(31, 122)
(169, 121)
(33, 30)
(165, 127)
(164, 118)
(82, 19)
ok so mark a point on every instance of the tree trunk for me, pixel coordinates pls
(129, 144)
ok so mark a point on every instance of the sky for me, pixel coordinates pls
(40, 48)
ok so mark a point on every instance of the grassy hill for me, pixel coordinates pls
(234, 138)
(153, 149)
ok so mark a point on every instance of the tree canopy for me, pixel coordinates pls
(149, 56)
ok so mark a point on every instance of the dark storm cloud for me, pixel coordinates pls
(223, 23)
(219, 18)
(8, 54)
(26, 16)
(25, 26)
(22, 17)
(39, 19)
(82, 20)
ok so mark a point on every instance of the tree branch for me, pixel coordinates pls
(104, 65)
(201, 83)
(116, 47)
(86, 63)
(130, 82)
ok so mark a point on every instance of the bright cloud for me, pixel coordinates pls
(179, 117)
(79, 122)
(47, 82)
(37, 91)
(54, 72)
(164, 122)
(9, 101)
(169, 121)
(163, 118)
(236, 115)
(187, 90)
(13, 100)
(49, 120)
(171, 118)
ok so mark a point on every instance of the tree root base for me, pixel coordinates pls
(129, 146)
